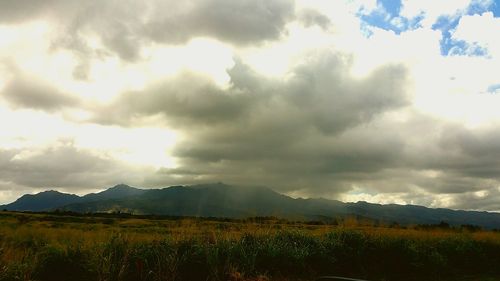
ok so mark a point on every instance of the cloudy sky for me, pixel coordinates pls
(382, 101)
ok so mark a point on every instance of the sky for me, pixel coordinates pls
(355, 100)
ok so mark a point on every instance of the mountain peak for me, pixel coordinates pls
(41, 201)
(116, 192)
(120, 186)
(48, 192)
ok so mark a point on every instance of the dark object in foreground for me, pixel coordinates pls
(325, 278)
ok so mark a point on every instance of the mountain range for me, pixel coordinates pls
(221, 200)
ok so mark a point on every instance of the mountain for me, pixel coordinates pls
(50, 200)
(220, 200)
(42, 201)
(214, 200)
(115, 192)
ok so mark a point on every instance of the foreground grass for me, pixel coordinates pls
(52, 247)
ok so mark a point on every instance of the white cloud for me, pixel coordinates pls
(412, 48)
(431, 10)
(292, 81)
(138, 146)
(483, 30)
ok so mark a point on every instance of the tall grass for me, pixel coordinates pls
(205, 250)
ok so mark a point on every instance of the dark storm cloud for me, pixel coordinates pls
(331, 99)
(63, 166)
(474, 153)
(490, 200)
(26, 92)
(442, 158)
(319, 95)
(315, 163)
(125, 26)
(321, 132)
(451, 183)
(298, 132)
(462, 159)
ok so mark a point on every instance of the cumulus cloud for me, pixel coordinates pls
(301, 96)
(312, 17)
(472, 153)
(467, 30)
(61, 166)
(240, 22)
(186, 98)
(27, 92)
(431, 11)
(320, 94)
(284, 132)
(123, 27)
(19, 11)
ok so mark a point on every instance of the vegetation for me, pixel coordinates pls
(221, 200)
(59, 246)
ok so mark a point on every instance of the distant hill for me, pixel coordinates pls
(42, 201)
(220, 200)
(50, 200)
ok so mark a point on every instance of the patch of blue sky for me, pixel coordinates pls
(382, 20)
(478, 7)
(386, 16)
(462, 48)
(495, 8)
(392, 7)
(446, 24)
(494, 89)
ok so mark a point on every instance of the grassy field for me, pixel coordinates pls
(70, 247)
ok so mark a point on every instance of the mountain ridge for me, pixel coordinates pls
(221, 200)
(51, 199)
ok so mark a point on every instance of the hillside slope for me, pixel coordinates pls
(220, 200)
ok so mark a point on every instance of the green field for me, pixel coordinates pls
(119, 247)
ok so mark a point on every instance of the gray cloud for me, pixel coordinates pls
(464, 159)
(26, 92)
(184, 99)
(294, 160)
(240, 22)
(474, 153)
(445, 158)
(125, 26)
(313, 17)
(320, 95)
(19, 11)
(64, 167)
(490, 200)
(320, 132)
(305, 132)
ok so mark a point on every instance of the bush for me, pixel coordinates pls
(206, 253)
(55, 264)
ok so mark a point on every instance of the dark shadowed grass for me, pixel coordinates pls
(198, 250)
